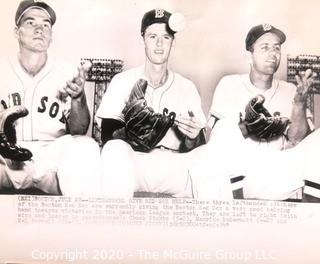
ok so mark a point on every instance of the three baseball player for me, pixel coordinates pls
(58, 120)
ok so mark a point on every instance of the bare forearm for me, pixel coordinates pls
(79, 118)
(299, 127)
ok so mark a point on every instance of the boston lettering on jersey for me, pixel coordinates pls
(53, 110)
(16, 99)
(44, 107)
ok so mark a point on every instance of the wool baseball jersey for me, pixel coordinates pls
(233, 93)
(40, 95)
(178, 94)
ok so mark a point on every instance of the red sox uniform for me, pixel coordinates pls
(74, 159)
(233, 93)
(269, 173)
(163, 169)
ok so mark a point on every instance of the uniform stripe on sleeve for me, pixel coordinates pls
(236, 182)
(212, 119)
(312, 188)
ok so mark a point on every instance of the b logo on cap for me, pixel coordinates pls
(266, 27)
(159, 13)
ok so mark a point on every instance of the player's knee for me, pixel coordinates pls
(4, 179)
(84, 143)
(311, 141)
(116, 147)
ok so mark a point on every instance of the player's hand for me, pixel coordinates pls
(304, 81)
(189, 126)
(75, 87)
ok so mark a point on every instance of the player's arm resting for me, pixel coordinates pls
(79, 118)
(108, 127)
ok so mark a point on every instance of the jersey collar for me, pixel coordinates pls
(254, 90)
(22, 73)
(165, 86)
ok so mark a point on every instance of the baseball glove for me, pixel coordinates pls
(8, 140)
(143, 127)
(258, 123)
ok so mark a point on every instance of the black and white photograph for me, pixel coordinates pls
(147, 131)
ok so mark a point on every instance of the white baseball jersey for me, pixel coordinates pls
(43, 129)
(178, 94)
(233, 93)
(283, 179)
(39, 94)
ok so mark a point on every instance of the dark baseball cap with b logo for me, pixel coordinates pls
(257, 31)
(26, 5)
(157, 15)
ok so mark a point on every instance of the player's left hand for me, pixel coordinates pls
(304, 81)
(75, 87)
(189, 126)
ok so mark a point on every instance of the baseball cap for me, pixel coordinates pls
(174, 22)
(26, 5)
(257, 31)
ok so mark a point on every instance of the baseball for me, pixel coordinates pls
(87, 65)
(177, 22)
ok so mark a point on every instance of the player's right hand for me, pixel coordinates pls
(189, 126)
(304, 83)
(75, 87)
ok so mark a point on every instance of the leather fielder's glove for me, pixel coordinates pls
(8, 140)
(258, 123)
(143, 127)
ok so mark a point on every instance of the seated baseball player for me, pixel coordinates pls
(258, 115)
(151, 119)
(44, 114)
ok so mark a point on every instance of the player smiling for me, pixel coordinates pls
(164, 89)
